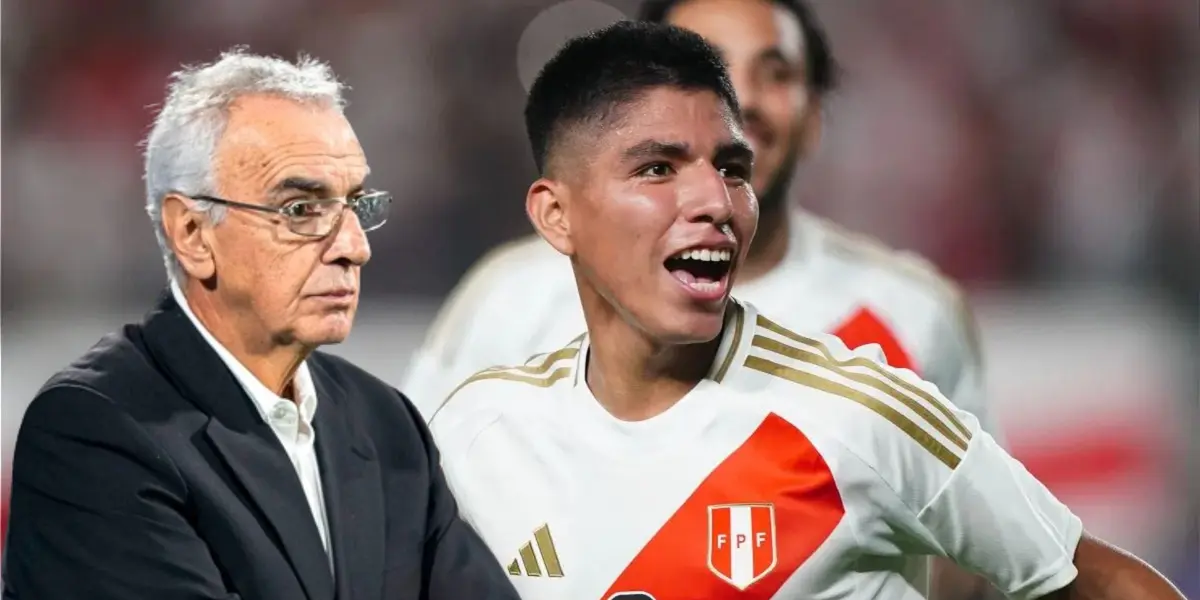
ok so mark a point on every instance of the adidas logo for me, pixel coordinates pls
(541, 547)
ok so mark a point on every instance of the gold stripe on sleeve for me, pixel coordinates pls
(926, 441)
(885, 377)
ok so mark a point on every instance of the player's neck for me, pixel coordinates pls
(635, 378)
(770, 245)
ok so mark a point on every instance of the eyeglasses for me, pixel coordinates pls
(318, 218)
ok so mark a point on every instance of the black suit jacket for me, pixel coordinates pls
(143, 471)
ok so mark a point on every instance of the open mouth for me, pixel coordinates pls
(705, 270)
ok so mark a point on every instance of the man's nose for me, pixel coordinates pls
(350, 242)
(706, 196)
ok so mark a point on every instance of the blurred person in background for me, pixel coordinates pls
(211, 451)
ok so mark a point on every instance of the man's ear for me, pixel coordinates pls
(547, 204)
(185, 233)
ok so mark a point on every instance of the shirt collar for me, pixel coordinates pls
(264, 399)
(739, 325)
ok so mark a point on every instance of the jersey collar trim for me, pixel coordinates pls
(739, 326)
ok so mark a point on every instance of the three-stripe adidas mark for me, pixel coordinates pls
(912, 409)
(527, 561)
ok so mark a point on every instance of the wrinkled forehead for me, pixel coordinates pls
(269, 139)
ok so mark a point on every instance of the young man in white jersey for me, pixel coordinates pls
(689, 447)
(521, 298)
(783, 70)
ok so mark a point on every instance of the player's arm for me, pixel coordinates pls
(995, 518)
(990, 515)
(1108, 573)
(948, 489)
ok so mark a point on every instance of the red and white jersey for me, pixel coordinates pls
(521, 299)
(798, 469)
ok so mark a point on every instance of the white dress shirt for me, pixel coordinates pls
(292, 422)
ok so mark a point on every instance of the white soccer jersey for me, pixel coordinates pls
(798, 470)
(521, 299)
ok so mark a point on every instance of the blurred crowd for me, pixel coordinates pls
(1011, 142)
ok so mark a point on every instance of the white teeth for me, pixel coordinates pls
(706, 255)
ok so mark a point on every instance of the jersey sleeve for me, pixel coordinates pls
(960, 495)
(938, 484)
(993, 517)
(961, 376)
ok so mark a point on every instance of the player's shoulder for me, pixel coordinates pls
(862, 257)
(530, 252)
(502, 388)
(902, 283)
(509, 262)
(494, 286)
(853, 396)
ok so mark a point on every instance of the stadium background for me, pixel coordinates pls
(1045, 154)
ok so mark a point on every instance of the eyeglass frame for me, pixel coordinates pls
(279, 210)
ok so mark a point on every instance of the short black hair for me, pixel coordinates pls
(596, 73)
(820, 68)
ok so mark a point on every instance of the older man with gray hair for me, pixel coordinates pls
(210, 452)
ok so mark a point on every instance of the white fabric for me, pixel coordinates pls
(291, 421)
(792, 440)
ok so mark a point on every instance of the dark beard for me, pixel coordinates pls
(773, 205)
(773, 202)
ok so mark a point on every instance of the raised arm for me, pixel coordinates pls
(97, 510)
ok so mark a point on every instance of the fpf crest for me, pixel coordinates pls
(741, 542)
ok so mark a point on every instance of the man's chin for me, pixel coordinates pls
(693, 327)
(326, 330)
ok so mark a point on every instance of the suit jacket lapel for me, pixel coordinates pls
(353, 490)
(248, 446)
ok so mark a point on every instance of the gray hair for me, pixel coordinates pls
(182, 143)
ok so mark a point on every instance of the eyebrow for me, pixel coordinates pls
(648, 149)
(308, 185)
(737, 150)
(656, 149)
(301, 184)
